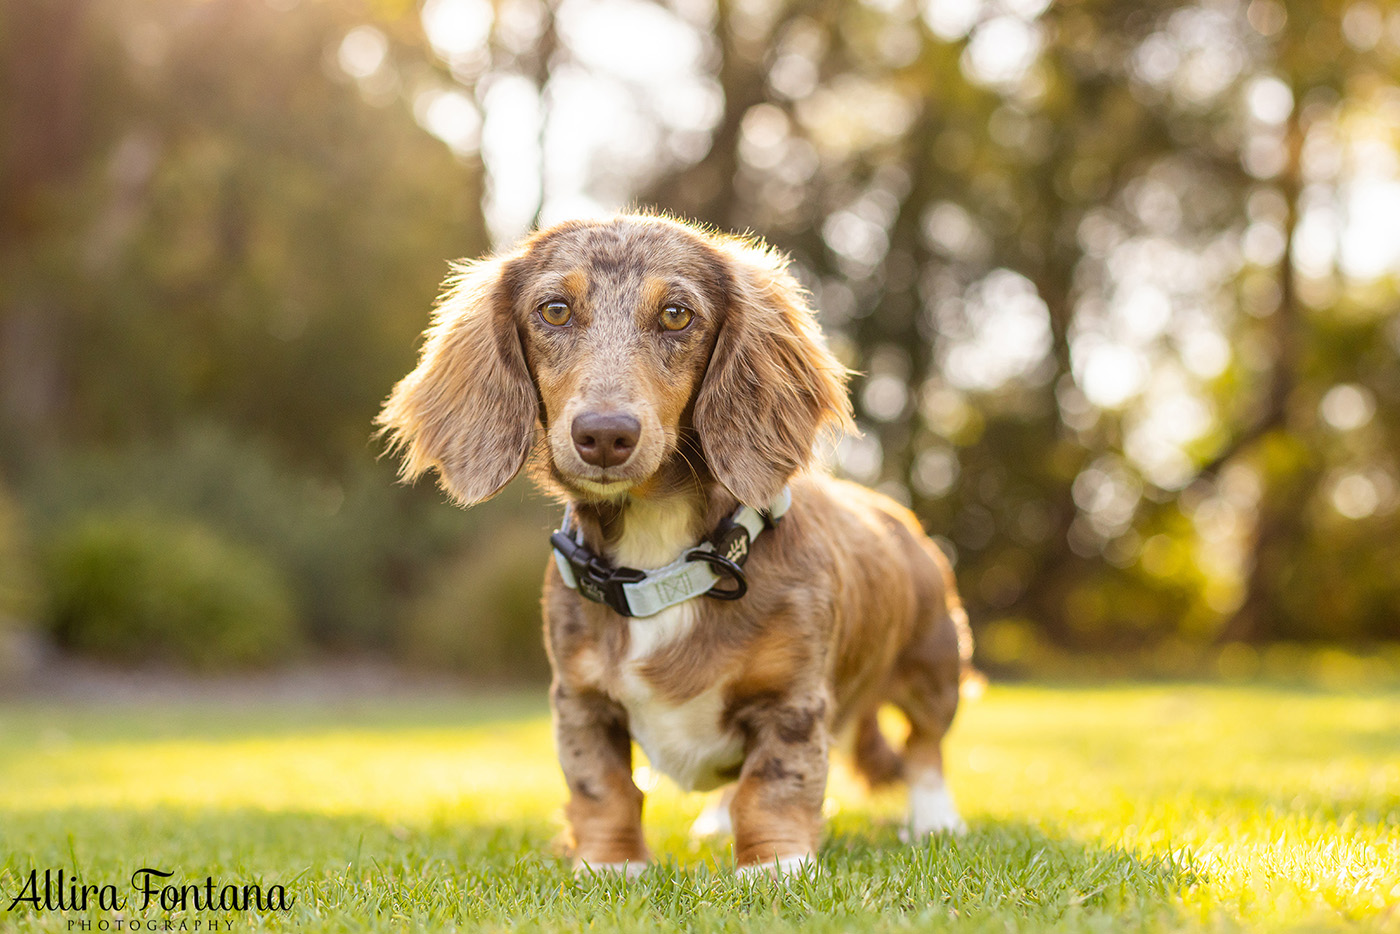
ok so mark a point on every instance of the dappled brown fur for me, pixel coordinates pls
(849, 605)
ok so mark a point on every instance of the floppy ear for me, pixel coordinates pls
(469, 408)
(771, 385)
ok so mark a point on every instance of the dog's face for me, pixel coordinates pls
(618, 325)
(612, 349)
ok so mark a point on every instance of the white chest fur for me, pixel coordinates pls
(686, 741)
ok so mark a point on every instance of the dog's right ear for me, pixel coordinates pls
(469, 408)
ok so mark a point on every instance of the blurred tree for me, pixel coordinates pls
(1036, 225)
(953, 212)
(205, 214)
(1119, 277)
(1320, 68)
(231, 213)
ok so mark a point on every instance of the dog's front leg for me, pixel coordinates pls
(605, 805)
(777, 806)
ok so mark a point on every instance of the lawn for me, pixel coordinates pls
(1127, 807)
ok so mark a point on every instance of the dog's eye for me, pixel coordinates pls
(556, 314)
(676, 317)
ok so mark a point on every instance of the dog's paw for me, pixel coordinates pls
(931, 811)
(782, 867)
(628, 869)
(713, 822)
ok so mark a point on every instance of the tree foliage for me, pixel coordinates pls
(203, 218)
(1119, 278)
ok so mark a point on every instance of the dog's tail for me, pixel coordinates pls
(972, 683)
(875, 758)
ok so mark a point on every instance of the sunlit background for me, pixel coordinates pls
(1119, 278)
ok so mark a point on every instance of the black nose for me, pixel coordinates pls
(605, 439)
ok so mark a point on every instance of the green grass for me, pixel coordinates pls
(1153, 808)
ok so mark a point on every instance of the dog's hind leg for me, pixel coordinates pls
(928, 696)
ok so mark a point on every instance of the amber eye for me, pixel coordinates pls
(676, 317)
(555, 313)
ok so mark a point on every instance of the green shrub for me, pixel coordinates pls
(132, 587)
(479, 615)
(351, 542)
(18, 587)
(19, 590)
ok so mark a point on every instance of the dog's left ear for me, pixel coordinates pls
(469, 408)
(772, 384)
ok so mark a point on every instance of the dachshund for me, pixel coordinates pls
(713, 596)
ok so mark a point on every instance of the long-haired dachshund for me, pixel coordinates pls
(709, 596)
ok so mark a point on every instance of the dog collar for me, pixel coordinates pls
(700, 571)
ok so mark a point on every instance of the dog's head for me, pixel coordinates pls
(612, 347)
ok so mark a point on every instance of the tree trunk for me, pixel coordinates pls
(1280, 524)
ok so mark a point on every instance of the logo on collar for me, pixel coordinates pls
(734, 544)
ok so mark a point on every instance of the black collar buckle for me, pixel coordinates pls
(597, 580)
